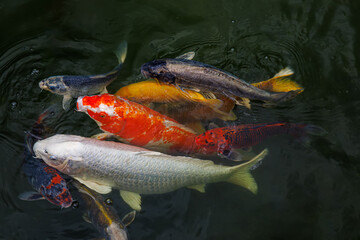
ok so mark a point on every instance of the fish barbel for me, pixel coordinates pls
(203, 77)
(102, 165)
(73, 86)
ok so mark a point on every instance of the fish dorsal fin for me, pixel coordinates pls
(200, 187)
(31, 196)
(102, 189)
(187, 56)
(149, 153)
(129, 218)
(132, 199)
(284, 72)
(121, 51)
(66, 102)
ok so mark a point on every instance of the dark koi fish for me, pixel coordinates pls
(72, 86)
(223, 140)
(206, 78)
(47, 181)
(102, 215)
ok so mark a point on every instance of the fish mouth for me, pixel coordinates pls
(42, 85)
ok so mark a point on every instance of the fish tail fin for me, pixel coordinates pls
(280, 82)
(241, 173)
(121, 52)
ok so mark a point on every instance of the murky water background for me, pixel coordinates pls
(305, 192)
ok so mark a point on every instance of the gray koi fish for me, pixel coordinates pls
(73, 86)
(102, 165)
(203, 77)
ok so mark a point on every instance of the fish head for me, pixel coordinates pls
(54, 84)
(57, 192)
(157, 69)
(105, 109)
(116, 231)
(58, 150)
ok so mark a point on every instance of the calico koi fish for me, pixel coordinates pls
(136, 124)
(223, 140)
(73, 86)
(103, 165)
(206, 78)
(48, 182)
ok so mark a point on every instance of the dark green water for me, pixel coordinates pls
(304, 192)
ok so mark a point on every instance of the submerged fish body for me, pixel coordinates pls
(136, 124)
(47, 181)
(193, 74)
(133, 169)
(73, 86)
(103, 216)
(223, 140)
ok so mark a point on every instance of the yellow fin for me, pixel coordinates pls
(188, 55)
(243, 102)
(129, 218)
(285, 72)
(200, 187)
(132, 199)
(241, 173)
(102, 189)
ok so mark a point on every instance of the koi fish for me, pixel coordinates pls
(102, 165)
(73, 86)
(206, 78)
(102, 215)
(223, 140)
(136, 124)
(187, 105)
(48, 182)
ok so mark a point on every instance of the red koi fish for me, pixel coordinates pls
(136, 124)
(223, 140)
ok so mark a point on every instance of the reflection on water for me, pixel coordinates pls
(305, 192)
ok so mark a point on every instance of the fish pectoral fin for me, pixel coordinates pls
(200, 187)
(102, 136)
(188, 55)
(243, 102)
(104, 91)
(132, 199)
(129, 218)
(31, 196)
(66, 102)
(86, 218)
(102, 189)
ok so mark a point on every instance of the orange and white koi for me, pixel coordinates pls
(137, 124)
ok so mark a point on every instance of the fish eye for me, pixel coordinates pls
(45, 151)
(108, 201)
(53, 158)
(75, 204)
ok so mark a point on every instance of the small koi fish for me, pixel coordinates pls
(72, 86)
(223, 140)
(48, 182)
